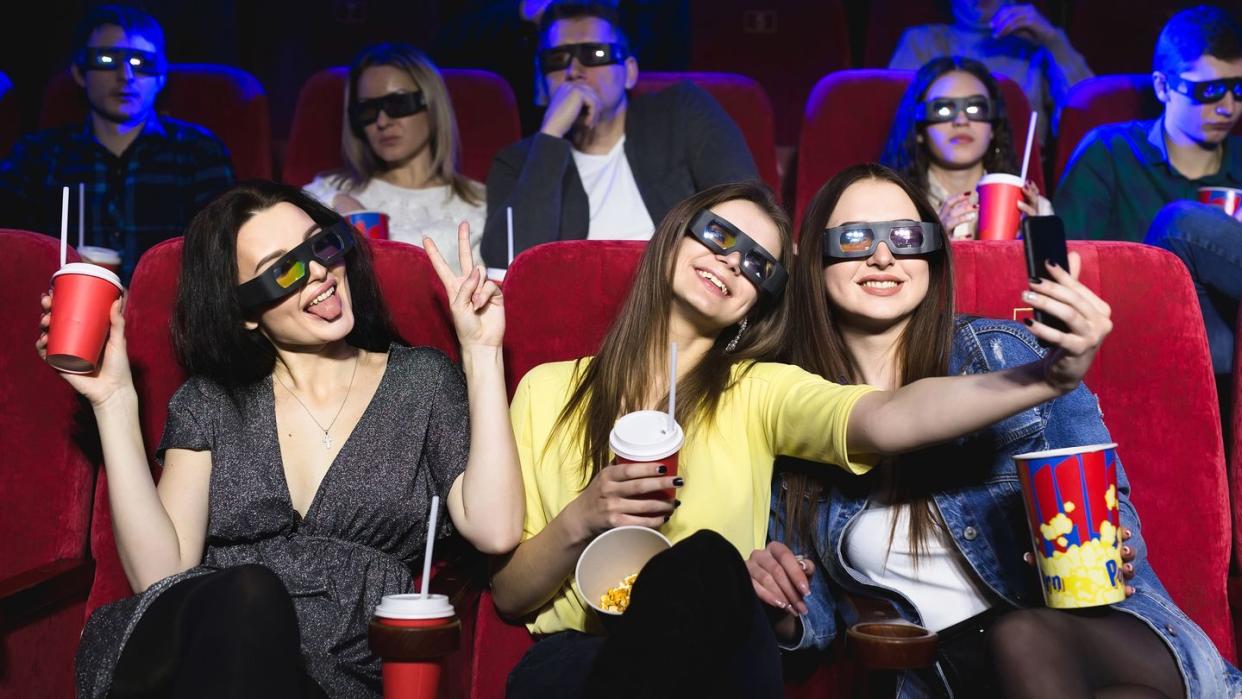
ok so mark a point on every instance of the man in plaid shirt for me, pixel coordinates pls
(145, 175)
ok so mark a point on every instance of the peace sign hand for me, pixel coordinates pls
(475, 302)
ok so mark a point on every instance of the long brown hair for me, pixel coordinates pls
(361, 163)
(816, 344)
(618, 379)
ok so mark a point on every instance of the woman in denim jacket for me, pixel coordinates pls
(940, 542)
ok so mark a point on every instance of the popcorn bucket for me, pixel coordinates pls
(1072, 508)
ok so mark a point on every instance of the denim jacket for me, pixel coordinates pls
(981, 507)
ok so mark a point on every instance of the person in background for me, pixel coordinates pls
(145, 175)
(1139, 180)
(952, 129)
(1011, 39)
(603, 165)
(400, 147)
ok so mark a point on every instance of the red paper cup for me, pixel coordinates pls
(1226, 199)
(413, 679)
(998, 206)
(82, 297)
(645, 436)
(372, 224)
(1072, 508)
(107, 258)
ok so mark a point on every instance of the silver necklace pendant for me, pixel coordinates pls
(327, 441)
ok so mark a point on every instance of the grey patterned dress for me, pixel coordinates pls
(363, 532)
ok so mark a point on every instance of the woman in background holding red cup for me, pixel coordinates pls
(953, 139)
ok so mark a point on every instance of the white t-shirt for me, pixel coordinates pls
(943, 588)
(413, 213)
(617, 209)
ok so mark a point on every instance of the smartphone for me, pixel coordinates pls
(1044, 238)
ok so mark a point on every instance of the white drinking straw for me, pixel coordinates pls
(81, 214)
(64, 222)
(1030, 138)
(509, 219)
(431, 542)
(672, 386)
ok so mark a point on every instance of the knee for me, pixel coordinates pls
(254, 589)
(1017, 637)
(1182, 221)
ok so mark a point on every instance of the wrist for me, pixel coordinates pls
(123, 398)
(577, 530)
(477, 358)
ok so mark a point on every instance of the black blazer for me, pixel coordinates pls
(678, 141)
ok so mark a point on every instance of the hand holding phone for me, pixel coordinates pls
(1044, 239)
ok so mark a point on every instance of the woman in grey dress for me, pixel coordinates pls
(299, 460)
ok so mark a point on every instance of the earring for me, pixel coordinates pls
(732, 346)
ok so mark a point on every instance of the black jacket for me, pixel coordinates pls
(678, 141)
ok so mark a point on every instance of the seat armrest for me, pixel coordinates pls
(33, 592)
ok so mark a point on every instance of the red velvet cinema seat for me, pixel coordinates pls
(227, 101)
(45, 488)
(1153, 377)
(486, 110)
(418, 306)
(1105, 99)
(849, 114)
(746, 102)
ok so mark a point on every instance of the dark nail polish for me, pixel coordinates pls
(666, 517)
(679, 481)
(1037, 280)
(661, 470)
(676, 503)
(1028, 322)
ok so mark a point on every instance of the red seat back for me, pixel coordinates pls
(227, 101)
(486, 110)
(744, 100)
(784, 44)
(848, 117)
(46, 478)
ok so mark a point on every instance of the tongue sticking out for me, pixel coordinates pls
(329, 309)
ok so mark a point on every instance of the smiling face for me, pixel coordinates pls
(882, 290)
(319, 312)
(1205, 124)
(709, 287)
(119, 95)
(960, 143)
(394, 141)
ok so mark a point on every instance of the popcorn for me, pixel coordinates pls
(617, 599)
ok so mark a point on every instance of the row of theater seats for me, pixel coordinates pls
(1153, 377)
(846, 119)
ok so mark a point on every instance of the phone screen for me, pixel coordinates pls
(1044, 238)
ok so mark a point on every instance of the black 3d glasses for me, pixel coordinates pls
(723, 238)
(943, 109)
(1206, 91)
(289, 272)
(139, 61)
(860, 239)
(363, 113)
(588, 54)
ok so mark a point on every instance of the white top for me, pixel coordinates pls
(943, 588)
(617, 209)
(413, 213)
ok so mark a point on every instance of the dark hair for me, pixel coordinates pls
(1199, 31)
(907, 156)
(816, 344)
(557, 11)
(208, 321)
(616, 381)
(131, 19)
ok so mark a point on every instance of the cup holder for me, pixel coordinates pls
(893, 645)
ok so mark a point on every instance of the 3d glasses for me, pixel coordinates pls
(289, 272)
(139, 61)
(723, 238)
(1206, 91)
(860, 239)
(943, 109)
(363, 113)
(588, 54)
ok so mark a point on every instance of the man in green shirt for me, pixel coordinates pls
(1139, 180)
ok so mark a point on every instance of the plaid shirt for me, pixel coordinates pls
(133, 201)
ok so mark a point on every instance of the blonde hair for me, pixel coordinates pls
(360, 161)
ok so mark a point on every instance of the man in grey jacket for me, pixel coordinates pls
(604, 166)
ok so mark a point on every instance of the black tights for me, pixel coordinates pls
(233, 633)
(1100, 653)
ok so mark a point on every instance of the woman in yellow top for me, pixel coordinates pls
(710, 281)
